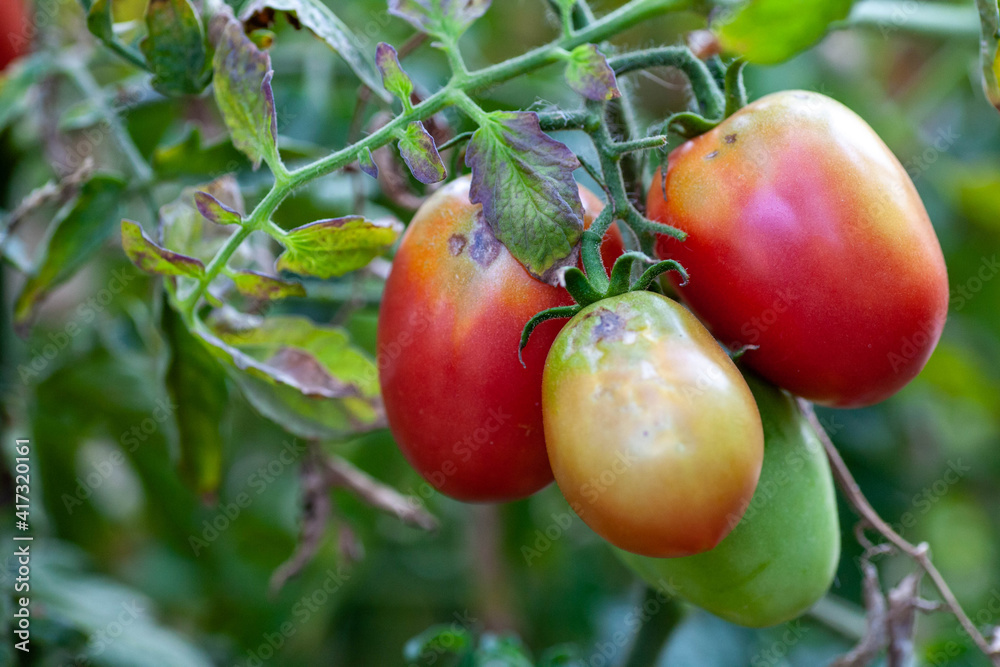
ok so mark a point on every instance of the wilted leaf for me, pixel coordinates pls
(197, 387)
(151, 258)
(394, 78)
(589, 74)
(174, 47)
(524, 180)
(243, 91)
(306, 377)
(442, 18)
(322, 22)
(771, 31)
(260, 286)
(329, 248)
(367, 164)
(185, 228)
(189, 157)
(418, 150)
(215, 211)
(75, 234)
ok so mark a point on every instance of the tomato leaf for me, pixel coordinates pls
(329, 248)
(189, 156)
(215, 211)
(772, 31)
(437, 640)
(151, 258)
(306, 377)
(100, 23)
(420, 154)
(243, 91)
(589, 74)
(197, 386)
(524, 180)
(323, 23)
(394, 78)
(260, 286)
(75, 235)
(185, 228)
(16, 83)
(446, 19)
(989, 16)
(367, 163)
(174, 47)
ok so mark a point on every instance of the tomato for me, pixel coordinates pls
(13, 31)
(807, 239)
(782, 556)
(652, 433)
(463, 410)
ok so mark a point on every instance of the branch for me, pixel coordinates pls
(918, 553)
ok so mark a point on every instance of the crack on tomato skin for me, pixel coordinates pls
(456, 244)
(484, 247)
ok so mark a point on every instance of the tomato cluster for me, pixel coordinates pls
(808, 248)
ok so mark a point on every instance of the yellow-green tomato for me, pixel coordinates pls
(781, 557)
(652, 433)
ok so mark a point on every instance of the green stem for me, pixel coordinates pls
(933, 19)
(456, 91)
(654, 631)
(706, 91)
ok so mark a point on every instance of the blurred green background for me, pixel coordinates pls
(116, 579)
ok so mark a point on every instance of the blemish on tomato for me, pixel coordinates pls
(730, 138)
(484, 247)
(609, 325)
(456, 244)
(711, 155)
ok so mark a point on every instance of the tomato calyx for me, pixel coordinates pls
(690, 124)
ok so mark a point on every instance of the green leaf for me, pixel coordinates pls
(329, 248)
(16, 84)
(76, 233)
(394, 78)
(190, 156)
(186, 230)
(260, 286)
(243, 91)
(446, 19)
(420, 154)
(306, 377)
(215, 211)
(772, 31)
(100, 22)
(197, 386)
(151, 258)
(524, 180)
(437, 640)
(175, 48)
(323, 23)
(989, 16)
(589, 74)
(367, 163)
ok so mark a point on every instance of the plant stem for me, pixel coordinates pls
(457, 89)
(648, 643)
(934, 19)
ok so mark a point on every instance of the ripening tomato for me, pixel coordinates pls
(463, 410)
(652, 432)
(807, 239)
(13, 31)
(781, 557)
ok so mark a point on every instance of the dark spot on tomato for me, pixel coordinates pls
(609, 325)
(456, 244)
(711, 155)
(730, 138)
(483, 246)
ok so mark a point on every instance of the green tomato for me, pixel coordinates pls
(782, 556)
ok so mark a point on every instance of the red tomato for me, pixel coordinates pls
(14, 31)
(808, 239)
(463, 410)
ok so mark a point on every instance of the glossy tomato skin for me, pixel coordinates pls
(13, 31)
(781, 557)
(462, 409)
(652, 432)
(807, 239)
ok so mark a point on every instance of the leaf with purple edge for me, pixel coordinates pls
(151, 258)
(394, 78)
(589, 74)
(330, 248)
(420, 153)
(441, 18)
(524, 180)
(243, 91)
(260, 286)
(367, 163)
(215, 211)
